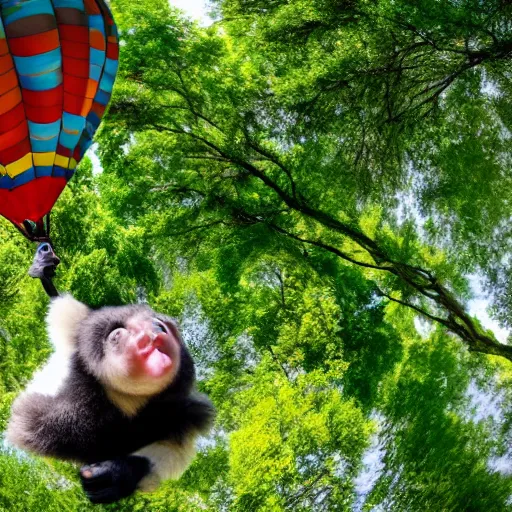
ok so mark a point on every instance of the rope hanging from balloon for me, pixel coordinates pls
(58, 63)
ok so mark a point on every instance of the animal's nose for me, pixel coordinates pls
(144, 337)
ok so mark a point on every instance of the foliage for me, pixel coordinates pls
(309, 187)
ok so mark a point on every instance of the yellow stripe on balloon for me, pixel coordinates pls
(72, 163)
(44, 159)
(62, 161)
(21, 165)
(3, 172)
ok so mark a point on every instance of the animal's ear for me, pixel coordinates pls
(63, 319)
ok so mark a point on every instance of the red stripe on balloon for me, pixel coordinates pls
(43, 114)
(75, 85)
(61, 150)
(11, 119)
(28, 46)
(113, 51)
(19, 150)
(31, 201)
(74, 33)
(12, 137)
(48, 98)
(75, 67)
(74, 49)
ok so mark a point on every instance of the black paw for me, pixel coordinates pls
(112, 480)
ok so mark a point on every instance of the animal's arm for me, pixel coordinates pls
(63, 317)
(167, 460)
(34, 427)
(49, 426)
(161, 460)
(112, 480)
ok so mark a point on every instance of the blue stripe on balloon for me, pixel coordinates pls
(95, 72)
(96, 21)
(72, 128)
(73, 4)
(111, 66)
(42, 82)
(59, 172)
(8, 182)
(44, 146)
(13, 10)
(84, 149)
(44, 130)
(96, 57)
(40, 63)
(102, 97)
(107, 83)
(44, 137)
(44, 170)
(93, 121)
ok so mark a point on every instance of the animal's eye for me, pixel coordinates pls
(115, 330)
(158, 325)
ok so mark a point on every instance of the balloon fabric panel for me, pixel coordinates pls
(58, 62)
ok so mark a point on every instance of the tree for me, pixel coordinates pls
(287, 221)
(225, 131)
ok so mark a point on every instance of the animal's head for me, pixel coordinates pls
(130, 349)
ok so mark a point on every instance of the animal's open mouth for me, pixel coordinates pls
(156, 357)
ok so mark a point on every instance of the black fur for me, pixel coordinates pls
(81, 423)
(113, 480)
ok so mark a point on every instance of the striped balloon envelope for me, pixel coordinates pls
(58, 62)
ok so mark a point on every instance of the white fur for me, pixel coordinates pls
(63, 318)
(129, 404)
(168, 460)
(49, 380)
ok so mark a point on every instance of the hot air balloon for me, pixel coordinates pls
(58, 62)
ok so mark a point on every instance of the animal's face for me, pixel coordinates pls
(131, 349)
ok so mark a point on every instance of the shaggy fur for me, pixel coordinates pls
(76, 416)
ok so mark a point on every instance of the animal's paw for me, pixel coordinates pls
(112, 480)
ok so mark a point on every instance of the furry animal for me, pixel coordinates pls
(117, 395)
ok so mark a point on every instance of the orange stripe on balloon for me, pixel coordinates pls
(13, 137)
(96, 39)
(86, 108)
(4, 47)
(9, 100)
(6, 63)
(27, 46)
(8, 81)
(92, 88)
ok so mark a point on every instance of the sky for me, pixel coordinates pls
(194, 8)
